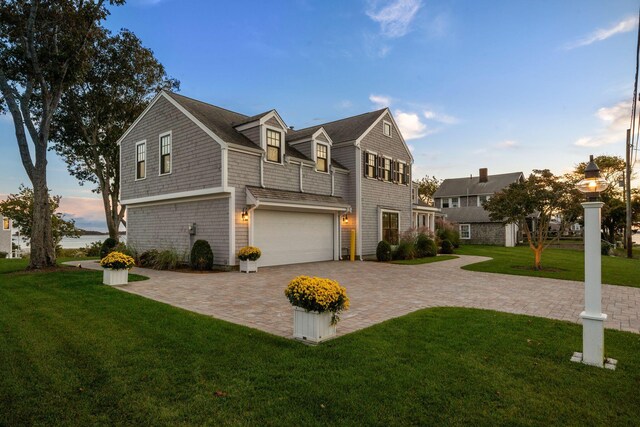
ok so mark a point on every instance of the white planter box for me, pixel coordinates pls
(312, 326)
(248, 266)
(115, 277)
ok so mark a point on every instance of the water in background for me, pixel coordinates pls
(82, 241)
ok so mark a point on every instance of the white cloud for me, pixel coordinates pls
(509, 143)
(344, 104)
(626, 25)
(615, 121)
(380, 101)
(395, 16)
(439, 117)
(410, 125)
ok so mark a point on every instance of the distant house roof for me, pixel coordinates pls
(472, 186)
(467, 214)
(295, 197)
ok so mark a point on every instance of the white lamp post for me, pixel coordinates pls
(592, 316)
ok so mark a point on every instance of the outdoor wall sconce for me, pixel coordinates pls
(345, 218)
(245, 214)
(192, 229)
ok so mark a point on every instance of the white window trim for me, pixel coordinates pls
(451, 202)
(406, 172)
(314, 147)
(381, 211)
(366, 153)
(135, 160)
(460, 231)
(390, 170)
(263, 143)
(479, 203)
(160, 154)
(384, 123)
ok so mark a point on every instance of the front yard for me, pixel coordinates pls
(77, 353)
(566, 264)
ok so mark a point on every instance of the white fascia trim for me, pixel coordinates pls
(426, 209)
(319, 132)
(135, 122)
(242, 149)
(232, 226)
(175, 196)
(358, 154)
(170, 153)
(247, 125)
(271, 114)
(300, 206)
(386, 111)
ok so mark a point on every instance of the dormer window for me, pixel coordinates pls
(274, 146)
(322, 158)
(386, 128)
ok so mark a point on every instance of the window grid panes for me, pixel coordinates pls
(321, 158)
(402, 177)
(371, 165)
(273, 145)
(141, 161)
(386, 169)
(390, 227)
(387, 129)
(165, 154)
(455, 202)
(465, 231)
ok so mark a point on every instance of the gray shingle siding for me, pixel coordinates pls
(284, 176)
(377, 195)
(195, 159)
(315, 182)
(253, 134)
(491, 233)
(346, 155)
(273, 122)
(244, 169)
(304, 148)
(166, 226)
(322, 138)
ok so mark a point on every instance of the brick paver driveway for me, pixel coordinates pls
(379, 292)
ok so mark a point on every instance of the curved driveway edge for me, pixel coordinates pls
(379, 292)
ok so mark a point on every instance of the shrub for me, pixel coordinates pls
(605, 248)
(93, 249)
(249, 253)
(318, 294)
(3, 254)
(108, 245)
(127, 250)
(447, 247)
(201, 256)
(148, 258)
(425, 247)
(117, 261)
(383, 251)
(446, 230)
(405, 250)
(168, 259)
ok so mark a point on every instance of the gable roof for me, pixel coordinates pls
(219, 120)
(472, 186)
(347, 129)
(467, 214)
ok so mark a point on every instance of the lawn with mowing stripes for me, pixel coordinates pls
(74, 352)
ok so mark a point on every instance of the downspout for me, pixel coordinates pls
(262, 170)
(301, 189)
(333, 181)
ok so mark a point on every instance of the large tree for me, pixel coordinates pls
(533, 204)
(19, 207)
(43, 50)
(96, 111)
(427, 186)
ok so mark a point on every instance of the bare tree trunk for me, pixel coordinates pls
(111, 214)
(537, 263)
(43, 252)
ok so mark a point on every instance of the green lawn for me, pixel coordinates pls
(566, 264)
(426, 260)
(74, 352)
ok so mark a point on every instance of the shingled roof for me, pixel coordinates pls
(472, 186)
(467, 214)
(284, 196)
(347, 129)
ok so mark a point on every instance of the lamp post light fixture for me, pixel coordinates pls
(592, 316)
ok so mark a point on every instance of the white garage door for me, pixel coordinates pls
(292, 237)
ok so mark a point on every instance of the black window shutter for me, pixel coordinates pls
(366, 163)
(380, 167)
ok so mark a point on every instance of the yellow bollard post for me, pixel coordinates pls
(353, 245)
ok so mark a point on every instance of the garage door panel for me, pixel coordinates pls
(293, 237)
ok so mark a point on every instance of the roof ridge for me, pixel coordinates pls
(345, 118)
(206, 103)
(490, 175)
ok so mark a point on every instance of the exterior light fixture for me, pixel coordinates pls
(245, 214)
(592, 316)
(345, 218)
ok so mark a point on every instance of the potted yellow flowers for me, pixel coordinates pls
(317, 303)
(116, 268)
(248, 257)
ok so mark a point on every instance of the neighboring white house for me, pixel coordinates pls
(6, 231)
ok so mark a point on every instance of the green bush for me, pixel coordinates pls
(450, 234)
(108, 246)
(383, 251)
(127, 250)
(605, 248)
(93, 249)
(3, 254)
(425, 247)
(447, 247)
(405, 250)
(201, 256)
(168, 259)
(148, 258)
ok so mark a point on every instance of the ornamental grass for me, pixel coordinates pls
(117, 261)
(318, 294)
(249, 253)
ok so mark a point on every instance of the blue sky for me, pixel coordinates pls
(507, 85)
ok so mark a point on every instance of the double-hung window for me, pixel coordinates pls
(482, 200)
(465, 231)
(402, 173)
(386, 128)
(274, 146)
(390, 227)
(322, 158)
(141, 164)
(165, 154)
(386, 169)
(370, 163)
(455, 202)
